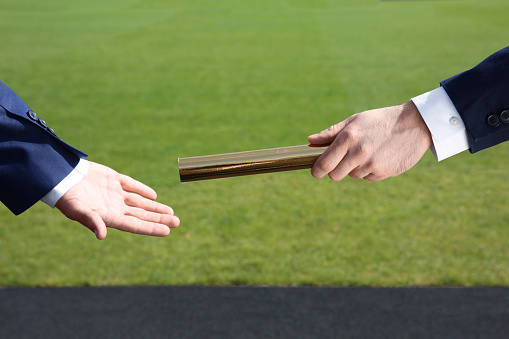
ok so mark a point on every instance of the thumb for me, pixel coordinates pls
(328, 135)
(95, 223)
(87, 217)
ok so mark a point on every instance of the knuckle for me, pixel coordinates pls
(371, 167)
(352, 135)
(363, 151)
(355, 175)
(349, 134)
(325, 165)
(335, 177)
(329, 131)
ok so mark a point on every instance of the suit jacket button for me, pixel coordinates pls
(52, 131)
(32, 115)
(504, 116)
(493, 121)
(42, 123)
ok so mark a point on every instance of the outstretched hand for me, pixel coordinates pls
(105, 198)
(373, 145)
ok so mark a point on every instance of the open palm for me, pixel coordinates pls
(105, 198)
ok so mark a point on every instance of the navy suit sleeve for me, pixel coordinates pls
(481, 96)
(33, 160)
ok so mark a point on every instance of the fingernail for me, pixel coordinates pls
(95, 231)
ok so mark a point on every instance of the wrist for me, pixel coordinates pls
(412, 120)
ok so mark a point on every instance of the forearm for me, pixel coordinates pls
(469, 109)
(481, 95)
(33, 160)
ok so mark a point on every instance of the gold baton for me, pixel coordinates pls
(249, 162)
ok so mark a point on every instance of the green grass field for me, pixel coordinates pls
(137, 84)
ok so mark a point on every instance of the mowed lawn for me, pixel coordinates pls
(137, 84)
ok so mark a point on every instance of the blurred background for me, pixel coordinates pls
(138, 83)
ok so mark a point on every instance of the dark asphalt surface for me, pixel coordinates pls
(254, 312)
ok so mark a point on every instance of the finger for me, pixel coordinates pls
(373, 177)
(359, 172)
(166, 219)
(131, 185)
(328, 135)
(135, 200)
(330, 159)
(345, 166)
(132, 224)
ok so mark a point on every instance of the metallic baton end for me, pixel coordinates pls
(248, 162)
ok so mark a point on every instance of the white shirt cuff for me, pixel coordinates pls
(78, 173)
(444, 122)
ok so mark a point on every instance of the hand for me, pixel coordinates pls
(105, 198)
(373, 145)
